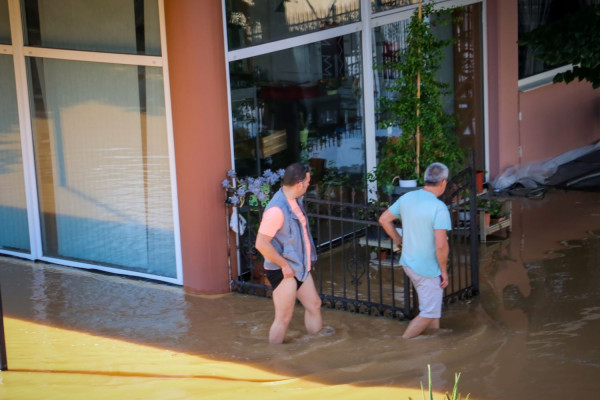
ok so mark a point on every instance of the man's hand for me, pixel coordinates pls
(444, 277)
(288, 272)
(263, 244)
(386, 220)
(398, 243)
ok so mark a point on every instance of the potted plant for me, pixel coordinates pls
(256, 190)
(331, 85)
(413, 102)
(255, 193)
(479, 180)
(398, 160)
(334, 185)
(493, 210)
(496, 211)
(302, 123)
(371, 212)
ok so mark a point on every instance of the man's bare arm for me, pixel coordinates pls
(442, 249)
(263, 244)
(387, 223)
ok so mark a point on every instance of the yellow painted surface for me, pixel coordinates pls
(47, 362)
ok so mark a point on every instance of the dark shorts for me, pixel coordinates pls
(275, 276)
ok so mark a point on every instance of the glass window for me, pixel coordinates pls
(252, 22)
(14, 231)
(115, 26)
(4, 23)
(536, 13)
(467, 80)
(302, 104)
(388, 41)
(383, 5)
(461, 70)
(101, 153)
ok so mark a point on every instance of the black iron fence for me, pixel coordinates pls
(358, 266)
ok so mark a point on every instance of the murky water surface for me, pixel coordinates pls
(534, 332)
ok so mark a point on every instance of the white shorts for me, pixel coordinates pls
(430, 293)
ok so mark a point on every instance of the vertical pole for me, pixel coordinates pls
(474, 234)
(3, 361)
(418, 133)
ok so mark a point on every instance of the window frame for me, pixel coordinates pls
(542, 79)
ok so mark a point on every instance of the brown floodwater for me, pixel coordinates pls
(533, 332)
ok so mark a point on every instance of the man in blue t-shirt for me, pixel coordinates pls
(425, 222)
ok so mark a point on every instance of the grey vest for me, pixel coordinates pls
(289, 240)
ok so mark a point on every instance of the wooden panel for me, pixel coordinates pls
(274, 143)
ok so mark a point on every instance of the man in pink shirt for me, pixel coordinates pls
(286, 243)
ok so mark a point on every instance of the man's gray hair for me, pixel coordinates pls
(436, 173)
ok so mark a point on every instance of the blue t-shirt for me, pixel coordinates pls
(421, 213)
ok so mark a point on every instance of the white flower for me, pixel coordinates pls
(237, 18)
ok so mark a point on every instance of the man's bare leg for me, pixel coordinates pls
(284, 299)
(309, 297)
(434, 324)
(418, 325)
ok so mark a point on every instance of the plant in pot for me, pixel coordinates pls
(370, 212)
(398, 161)
(493, 210)
(249, 195)
(303, 133)
(496, 211)
(413, 102)
(334, 185)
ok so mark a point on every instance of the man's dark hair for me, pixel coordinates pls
(294, 174)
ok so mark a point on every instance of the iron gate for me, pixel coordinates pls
(357, 268)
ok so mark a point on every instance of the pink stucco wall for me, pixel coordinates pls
(503, 109)
(554, 118)
(558, 118)
(201, 136)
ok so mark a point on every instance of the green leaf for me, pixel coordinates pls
(573, 39)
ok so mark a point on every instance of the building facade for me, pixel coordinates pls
(120, 118)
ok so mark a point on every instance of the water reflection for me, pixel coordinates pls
(532, 333)
(535, 295)
(383, 5)
(254, 22)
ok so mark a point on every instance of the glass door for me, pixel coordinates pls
(14, 231)
(93, 189)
